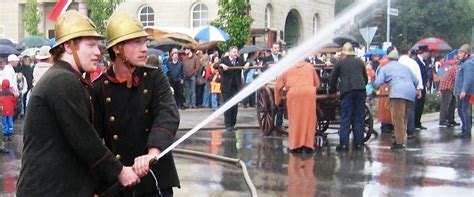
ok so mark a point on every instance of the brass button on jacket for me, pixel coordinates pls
(146, 111)
(145, 91)
(115, 137)
(108, 99)
(145, 74)
(118, 157)
(106, 82)
(112, 118)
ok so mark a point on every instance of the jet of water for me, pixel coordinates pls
(316, 42)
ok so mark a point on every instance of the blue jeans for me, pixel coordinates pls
(206, 95)
(279, 116)
(190, 91)
(7, 122)
(411, 120)
(352, 114)
(215, 101)
(464, 112)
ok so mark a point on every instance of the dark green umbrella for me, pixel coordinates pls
(33, 42)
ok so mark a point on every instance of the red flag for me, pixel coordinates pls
(60, 7)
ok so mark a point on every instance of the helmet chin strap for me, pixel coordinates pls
(125, 61)
(78, 61)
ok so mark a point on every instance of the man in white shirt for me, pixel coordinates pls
(415, 69)
(7, 72)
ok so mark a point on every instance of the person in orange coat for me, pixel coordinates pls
(7, 101)
(384, 115)
(301, 83)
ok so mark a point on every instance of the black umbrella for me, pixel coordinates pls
(152, 51)
(342, 39)
(164, 45)
(4, 41)
(6, 50)
(250, 49)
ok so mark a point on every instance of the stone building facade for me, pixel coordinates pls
(287, 21)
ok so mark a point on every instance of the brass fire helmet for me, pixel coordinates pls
(121, 27)
(73, 24)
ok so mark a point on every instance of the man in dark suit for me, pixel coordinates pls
(420, 59)
(273, 58)
(231, 81)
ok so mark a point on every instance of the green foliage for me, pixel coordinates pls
(31, 18)
(341, 5)
(233, 18)
(447, 19)
(101, 10)
(432, 103)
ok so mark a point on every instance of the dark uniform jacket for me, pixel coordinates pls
(132, 119)
(62, 152)
(422, 65)
(351, 74)
(231, 79)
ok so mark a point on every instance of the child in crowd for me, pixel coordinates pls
(7, 100)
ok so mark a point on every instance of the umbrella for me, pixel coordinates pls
(451, 55)
(155, 33)
(181, 38)
(211, 33)
(434, 44)
(31, 52)
(34, 41)
(6, 50)
(164, 45)
(250, 49)
(8, 42)
(342, 39)
(152, 51)
(206, 46)
(330, 48)
(379, 52)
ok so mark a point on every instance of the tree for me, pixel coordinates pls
(233, 18)
(31, 17)
(101, 10)
(341, 5)
(446, 19)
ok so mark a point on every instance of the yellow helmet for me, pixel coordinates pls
(121, 27)
(347, 49)
(73, 24)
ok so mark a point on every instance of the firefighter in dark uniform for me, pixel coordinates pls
(62, 153)
(136, 113)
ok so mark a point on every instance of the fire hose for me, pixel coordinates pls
(116, 188)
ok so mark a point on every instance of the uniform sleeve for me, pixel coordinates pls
(70, 106)
(317, 83)
(334, 76)
(99, 111)
(468, 73)
(380, 79)
(165, 114)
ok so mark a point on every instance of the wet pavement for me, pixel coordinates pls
(434, 164)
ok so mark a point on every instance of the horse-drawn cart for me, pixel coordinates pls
(327, 109)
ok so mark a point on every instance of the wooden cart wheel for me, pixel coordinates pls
(265, 110)
(368, 124)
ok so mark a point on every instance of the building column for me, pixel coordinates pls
(41, 25)
(81, 6)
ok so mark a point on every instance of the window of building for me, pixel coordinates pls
(147, 16)
(199, 16)
(315, 23)
(268, 16)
